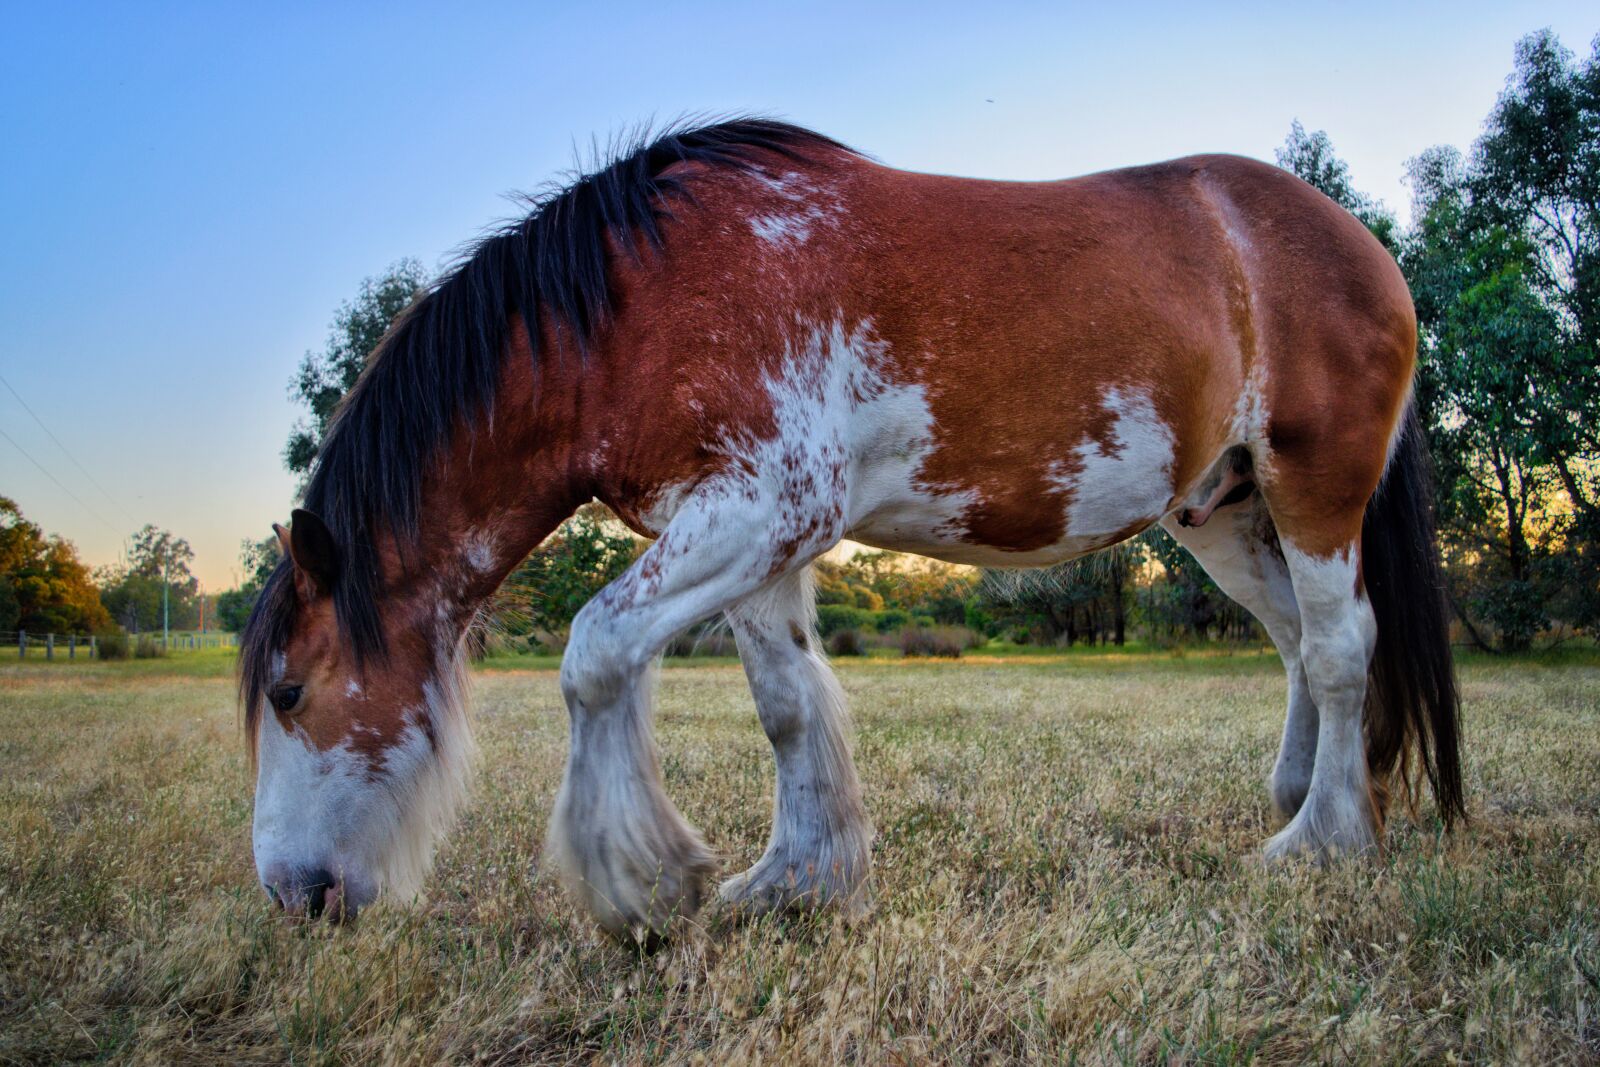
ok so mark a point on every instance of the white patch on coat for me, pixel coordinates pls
(1337, 636)
(808, 204)
(1128, 481)
(478, 549)
(374, 827)
(781, 229)
(353, 690)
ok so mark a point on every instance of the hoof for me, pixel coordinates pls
(1323, 833)
(777, 884)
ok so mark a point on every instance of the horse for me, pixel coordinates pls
(751, 341)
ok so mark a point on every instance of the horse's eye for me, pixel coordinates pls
(286, 697)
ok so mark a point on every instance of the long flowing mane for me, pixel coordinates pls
(437, 367)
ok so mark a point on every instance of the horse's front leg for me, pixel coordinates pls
(625, 850)
(820, 849)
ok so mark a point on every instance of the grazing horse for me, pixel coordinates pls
(750, 341)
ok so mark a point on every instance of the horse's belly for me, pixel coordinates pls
(1019, 511)
(961, 526)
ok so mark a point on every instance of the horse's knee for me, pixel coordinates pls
(597, 663)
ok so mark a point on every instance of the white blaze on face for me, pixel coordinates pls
(371, 822)
(310, 807)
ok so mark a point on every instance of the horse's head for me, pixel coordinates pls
(360, 753)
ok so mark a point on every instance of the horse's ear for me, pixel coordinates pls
(312, 548)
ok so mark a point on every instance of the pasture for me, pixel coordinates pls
(1065, 869)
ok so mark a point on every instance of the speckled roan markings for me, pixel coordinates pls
(981, 371)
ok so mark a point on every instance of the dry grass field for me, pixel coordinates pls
(1065, 871)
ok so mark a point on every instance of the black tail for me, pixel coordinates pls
(1412, 704)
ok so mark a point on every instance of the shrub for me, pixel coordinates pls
(111, 645)
(706, 641)
(893, 619)
(146, 648)
(547, 643)
(947, 642)
(847, 643)
(831, 618)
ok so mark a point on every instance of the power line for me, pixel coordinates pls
(53, 478)
(66, 452)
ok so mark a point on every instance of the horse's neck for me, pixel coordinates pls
(499, 490)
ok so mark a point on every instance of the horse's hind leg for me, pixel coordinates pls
(820, 847)
(1318, 495)
(1238, 547)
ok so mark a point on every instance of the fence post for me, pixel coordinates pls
(49, 646)
(72, 646)
(93, 645)
(22, 644)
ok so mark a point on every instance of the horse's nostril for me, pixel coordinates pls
(319, 887)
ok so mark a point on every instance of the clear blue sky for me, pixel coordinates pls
(187, 192)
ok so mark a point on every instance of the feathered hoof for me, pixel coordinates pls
(781, 883)
(1324, 833)
(638, 892)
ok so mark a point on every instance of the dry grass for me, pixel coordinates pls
(1065, 867)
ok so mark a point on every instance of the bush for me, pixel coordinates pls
(946, 642)
(112, 644)
(703, 642)
(546, 643)
(831, 618)
(893, 619)
(146, 648)
(847, 643)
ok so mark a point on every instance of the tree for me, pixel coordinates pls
(10, 606)
(44, 586)
(557, 579)
(1084, 599)
(1503, 266)
(325, 377)
(155, 576)
(257, 559)
(1311, 158)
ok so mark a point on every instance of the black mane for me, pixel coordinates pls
(438, 365)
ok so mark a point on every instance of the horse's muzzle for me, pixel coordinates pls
(310, 894)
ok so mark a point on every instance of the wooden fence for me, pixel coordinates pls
(76, 646)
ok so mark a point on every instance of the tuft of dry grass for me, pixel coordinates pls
(1065, 868)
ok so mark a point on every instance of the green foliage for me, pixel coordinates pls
(325, 377)
(44, 586)
(1086, 599)
(257, 559)
(157, 565)
(832, 618)
(559, 577)
(1504, 265)
(10, 606)
(112, 644)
